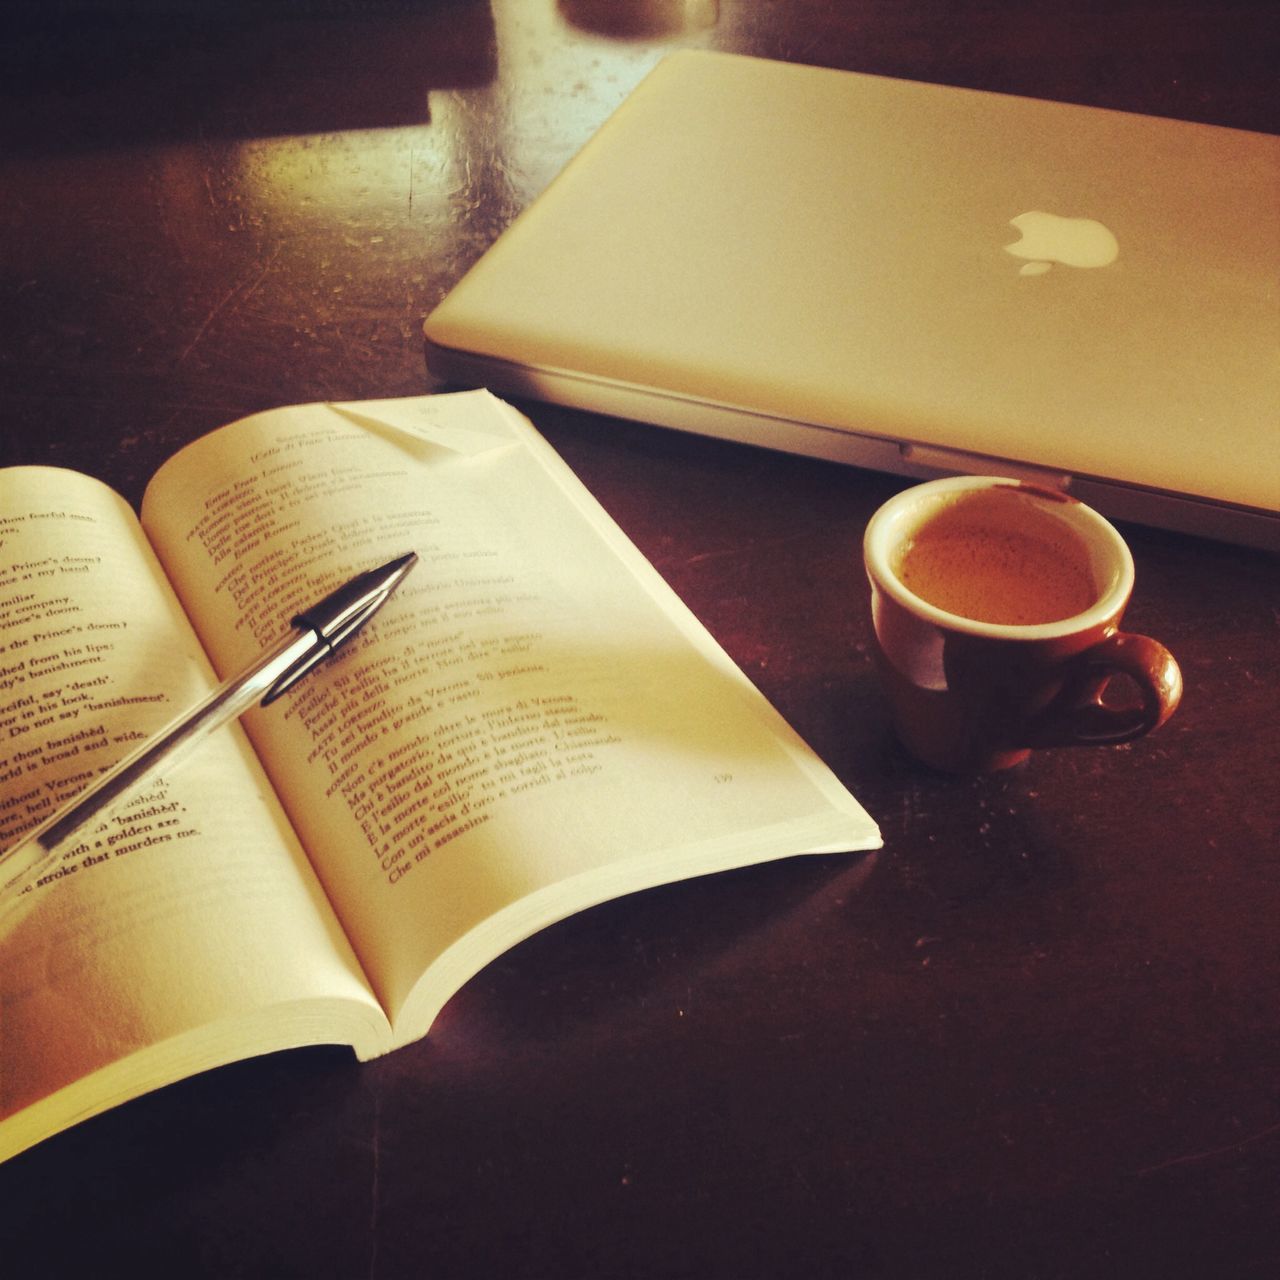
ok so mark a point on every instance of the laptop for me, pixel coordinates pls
(907, 277)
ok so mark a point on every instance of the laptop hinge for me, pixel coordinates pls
(927, 460)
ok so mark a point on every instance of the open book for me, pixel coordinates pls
(533, 724)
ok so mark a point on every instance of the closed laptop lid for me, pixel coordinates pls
(953, 272)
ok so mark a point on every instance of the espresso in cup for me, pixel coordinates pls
(996, 608)
(973, 561)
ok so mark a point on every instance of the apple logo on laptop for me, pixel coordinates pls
(1047, 238)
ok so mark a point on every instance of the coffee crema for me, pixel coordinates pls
(997, 575)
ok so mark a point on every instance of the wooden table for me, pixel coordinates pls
(1037, 1036)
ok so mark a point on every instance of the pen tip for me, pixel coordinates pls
(393, 573)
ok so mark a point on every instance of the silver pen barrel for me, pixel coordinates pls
(231, 699)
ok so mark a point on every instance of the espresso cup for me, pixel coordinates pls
(997, 607)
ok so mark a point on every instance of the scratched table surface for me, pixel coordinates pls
(1038, 1035)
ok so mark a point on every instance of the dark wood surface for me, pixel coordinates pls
(1037, 1036)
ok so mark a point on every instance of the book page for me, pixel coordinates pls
(190, 906)
(533, 722)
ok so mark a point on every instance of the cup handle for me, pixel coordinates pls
(1078, 715)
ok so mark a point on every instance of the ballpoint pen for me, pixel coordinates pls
(316, 633)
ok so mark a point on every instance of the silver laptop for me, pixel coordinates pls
(908, 277)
